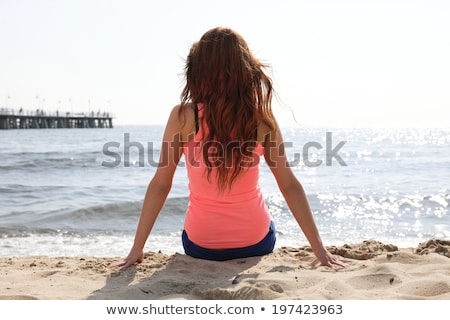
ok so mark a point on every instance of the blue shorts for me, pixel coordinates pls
(263, 247)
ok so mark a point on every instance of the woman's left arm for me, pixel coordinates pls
(158, 188)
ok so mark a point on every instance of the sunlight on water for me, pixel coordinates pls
(57, 198)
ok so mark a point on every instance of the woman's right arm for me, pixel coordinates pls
(294, 195)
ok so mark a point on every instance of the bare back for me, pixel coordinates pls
(188, 125)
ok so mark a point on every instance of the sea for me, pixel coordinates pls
(79, 192)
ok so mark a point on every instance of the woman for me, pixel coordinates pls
(223, 124)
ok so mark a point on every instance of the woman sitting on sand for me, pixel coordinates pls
(223, 125)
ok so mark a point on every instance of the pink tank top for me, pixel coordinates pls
(232, 219)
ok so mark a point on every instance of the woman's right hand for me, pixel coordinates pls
(134, 257)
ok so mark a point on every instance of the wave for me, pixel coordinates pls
(403, 201)
(53, 160)
(369, 212)
(113, 217)
(370, 207)
(28, 189)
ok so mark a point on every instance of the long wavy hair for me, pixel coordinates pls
(222, 73)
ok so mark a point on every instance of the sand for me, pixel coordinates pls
(374, 271)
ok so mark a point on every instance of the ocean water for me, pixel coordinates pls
(79, 191)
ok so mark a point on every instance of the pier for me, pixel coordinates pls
(39, 119)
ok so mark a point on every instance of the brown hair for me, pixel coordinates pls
(222, 73)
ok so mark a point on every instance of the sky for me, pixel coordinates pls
(333, 63)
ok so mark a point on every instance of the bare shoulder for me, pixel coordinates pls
(185, 117)
(266, 134)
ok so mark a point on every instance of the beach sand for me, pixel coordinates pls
(374, 271)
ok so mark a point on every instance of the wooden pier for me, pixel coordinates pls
(12, 119)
